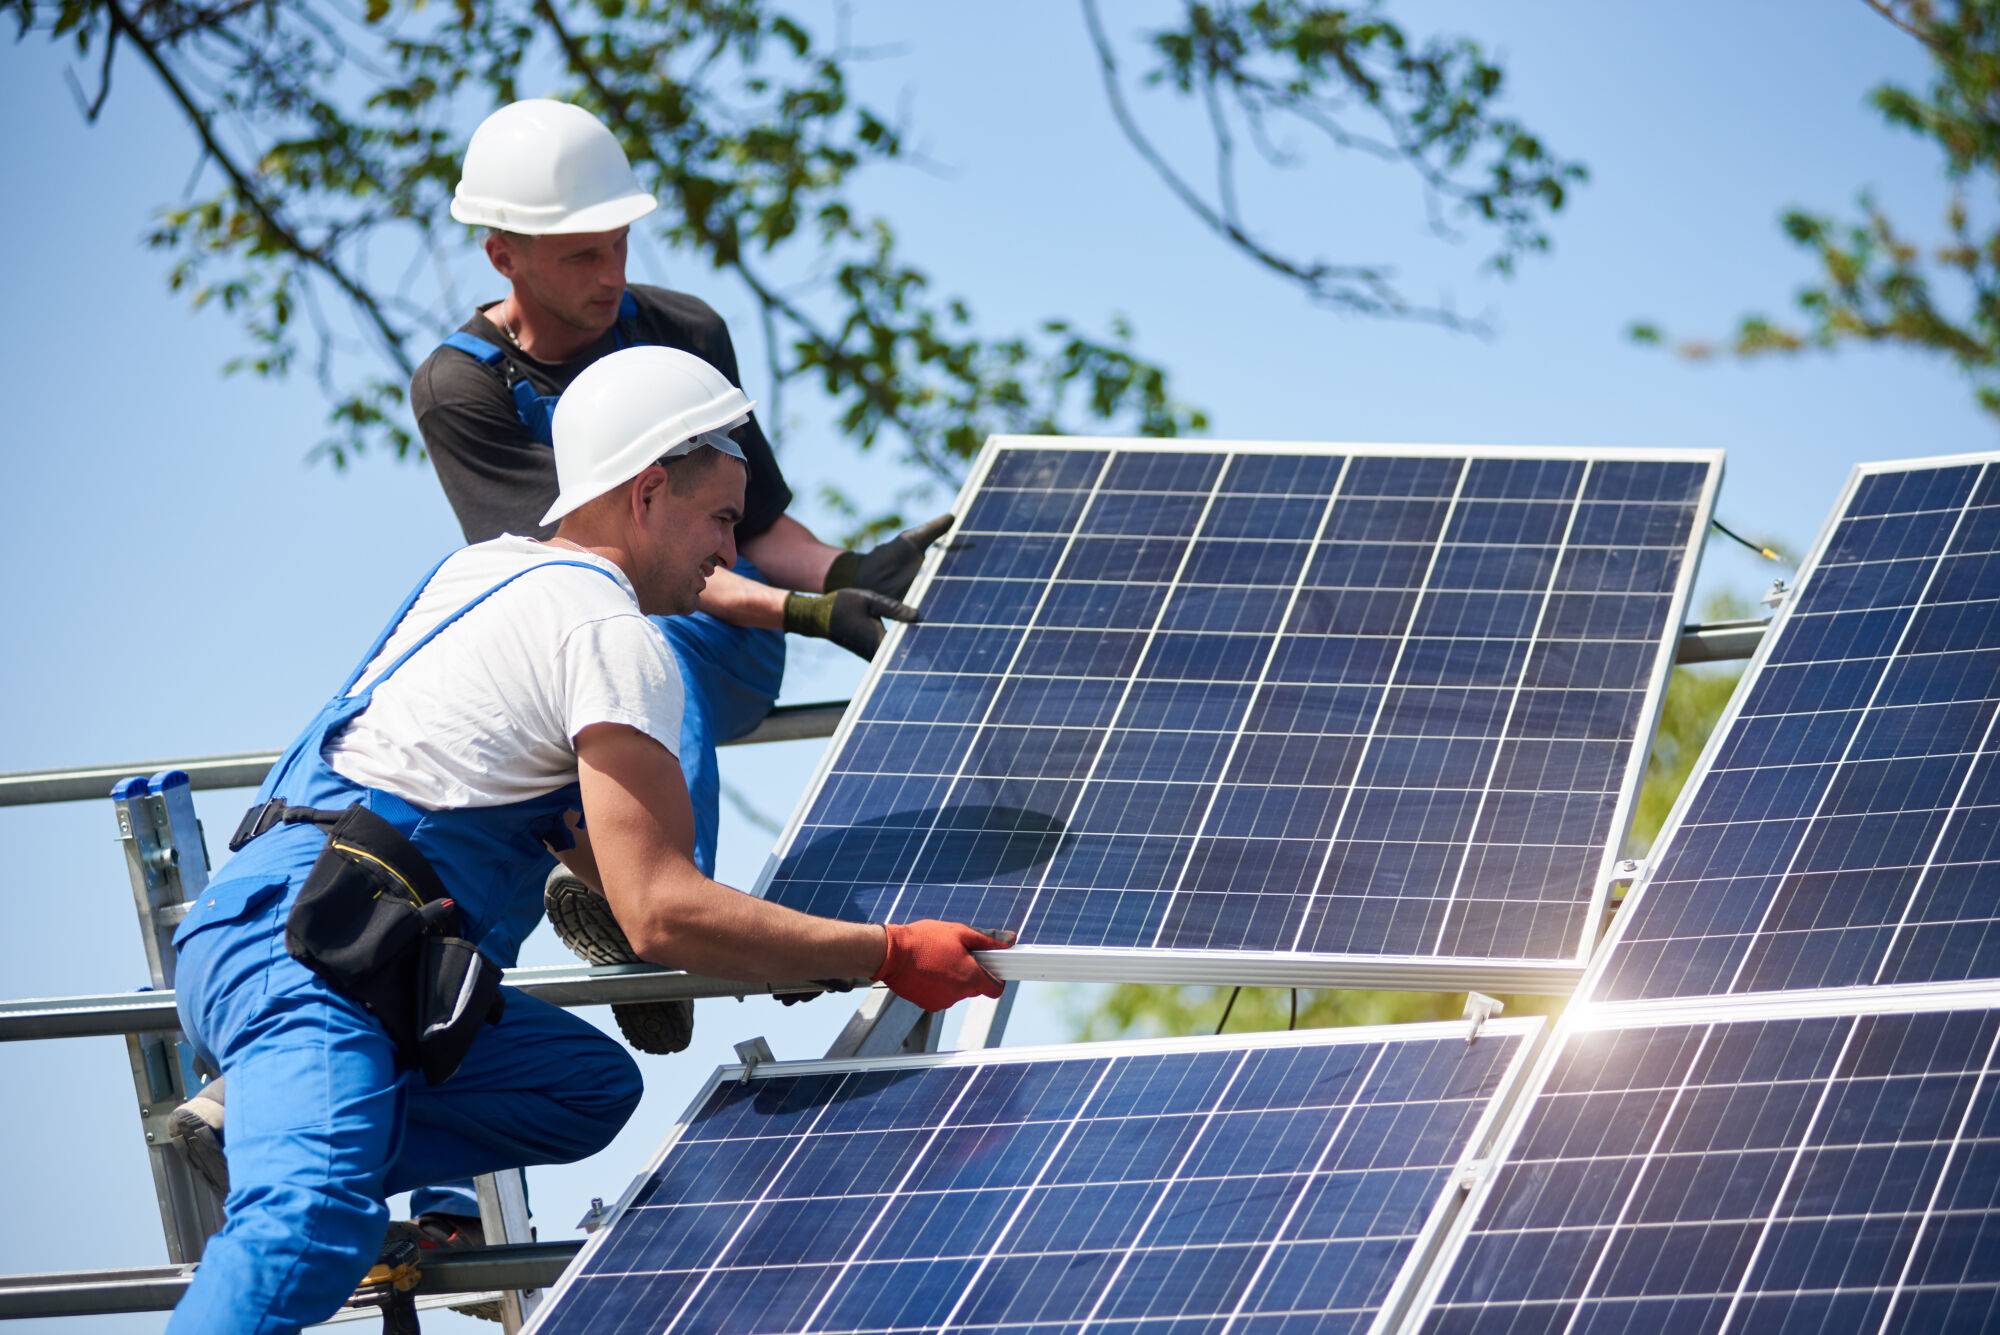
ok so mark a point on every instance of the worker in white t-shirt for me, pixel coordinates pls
(342, 969)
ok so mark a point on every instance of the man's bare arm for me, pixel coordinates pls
(743, 602)
(641, 828)
(790, 556)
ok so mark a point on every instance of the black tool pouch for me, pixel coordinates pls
(459, 991)
(374, 921)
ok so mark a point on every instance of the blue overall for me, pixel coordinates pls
(731, 674)
(321, 1127)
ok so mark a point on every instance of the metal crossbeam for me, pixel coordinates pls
(1716, 642)
(157, 1288)
(559, 985)
(785, 723)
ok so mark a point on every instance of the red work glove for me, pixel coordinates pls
(930, 962)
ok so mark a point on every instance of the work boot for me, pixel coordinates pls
(197, 1126)
(582, 918)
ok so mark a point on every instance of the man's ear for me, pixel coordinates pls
(649, 491)
(500, 254)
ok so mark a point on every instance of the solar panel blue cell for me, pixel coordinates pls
(1848, 781)
(1229, 622)
(1046, 470)
(1742, 1171)
(1203, 1182)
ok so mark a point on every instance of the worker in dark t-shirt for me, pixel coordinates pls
(556, 194)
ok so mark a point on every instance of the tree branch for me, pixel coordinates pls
(246, 190)
(1888, 11)
(1361, 288)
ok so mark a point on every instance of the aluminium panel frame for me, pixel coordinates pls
(1425, 973)
(1528, 1029)
(1516, 1104)
(1719, 734)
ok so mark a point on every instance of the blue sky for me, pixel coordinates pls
(185, 584)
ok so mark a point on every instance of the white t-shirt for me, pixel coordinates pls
(488, 712)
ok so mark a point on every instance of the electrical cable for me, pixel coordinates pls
(1293, 1023)
(1233, 993)
(1768, 553)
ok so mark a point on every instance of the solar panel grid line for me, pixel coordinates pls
(1284, 1228)
(1791, 1172)
(1632, 1195)
(874, 1224)
(1631, 930)
(1931, 860)
(1125, 694)
(1381, 705)
(1014, 1218)
(1514, 698)
(1827, 792)
(1041, 601)
(1937, 1189)
(1522, 1179)
(1160, 1199)
(1659, 673)
(1236, 733)
(695, 1292)
(871, 678)
(1429, 1055)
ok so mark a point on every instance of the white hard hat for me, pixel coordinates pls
(541, 166)
(634, 407)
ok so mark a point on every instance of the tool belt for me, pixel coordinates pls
(374, 921)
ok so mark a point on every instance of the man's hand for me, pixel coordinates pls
(850, 618)
(890, 568)
(930, 962)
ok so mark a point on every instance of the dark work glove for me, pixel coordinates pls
(849, 618)
(826, 984)
(887, 569)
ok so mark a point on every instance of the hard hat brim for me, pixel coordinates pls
(607, 216)
(646, 451)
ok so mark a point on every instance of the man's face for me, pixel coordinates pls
(577, 279)
(689, 536)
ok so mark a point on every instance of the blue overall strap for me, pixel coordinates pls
(436, 630)
(395, 620)
(536, 411)
(628, 311)
(476, 348)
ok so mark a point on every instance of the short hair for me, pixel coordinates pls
(685, 471)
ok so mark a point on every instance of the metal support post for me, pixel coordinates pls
(884, 1025)
(503, 1218)
(986, 1019)
(168, 863)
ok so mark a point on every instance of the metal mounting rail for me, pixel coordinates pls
(157, 1288)
(1720, 641)
(559, 985)
(1715, 642)
(785, 723)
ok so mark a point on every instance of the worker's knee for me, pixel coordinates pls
(601, 1098)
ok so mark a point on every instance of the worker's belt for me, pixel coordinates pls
(374, 921)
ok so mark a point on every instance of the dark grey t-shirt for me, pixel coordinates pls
(500, 479)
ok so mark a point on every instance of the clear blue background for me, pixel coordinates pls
(180, 582)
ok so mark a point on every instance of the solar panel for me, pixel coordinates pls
(1843, 827)
(1273, 1180)
(1380, 706)
(1759, 1169)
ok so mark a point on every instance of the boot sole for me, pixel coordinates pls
(203, 1148)
(584, 923)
